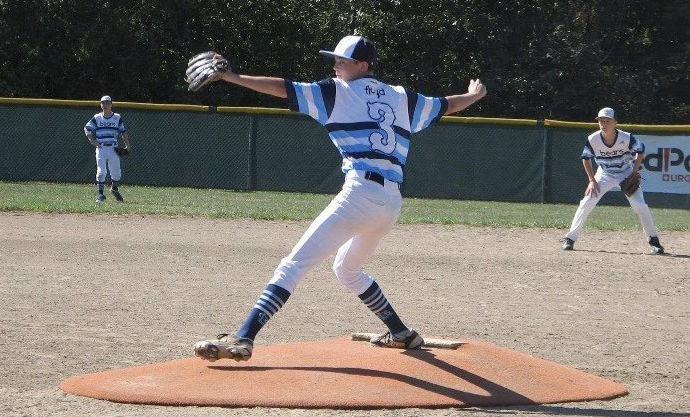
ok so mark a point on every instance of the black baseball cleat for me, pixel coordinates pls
(657, 249)
(568, 244)
(100, 198)
(117, 195)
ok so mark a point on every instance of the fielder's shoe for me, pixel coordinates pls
(568, 244)
(225, 346)
(409, 339)
(117, 195)
(657, 249)
(100, 198)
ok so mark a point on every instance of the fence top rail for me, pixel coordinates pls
(489, 120)
(267, 110)
(255, 110)
(96, 103)
(626, 126)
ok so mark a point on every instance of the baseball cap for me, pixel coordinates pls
(354, 47)
(106, 98)
(606, 112)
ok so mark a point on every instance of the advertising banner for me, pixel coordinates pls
(666, 164)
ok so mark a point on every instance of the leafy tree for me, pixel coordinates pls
(539, 59)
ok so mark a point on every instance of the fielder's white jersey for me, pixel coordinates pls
(370, 122)
(616, 158)
(107, 129)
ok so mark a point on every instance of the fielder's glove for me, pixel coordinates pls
(205, 68)
(631, 183)
(122, 151)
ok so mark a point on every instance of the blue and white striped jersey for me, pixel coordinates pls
(370, 122)
(616, 158)
(107, 129)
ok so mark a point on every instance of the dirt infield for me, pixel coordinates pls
(83, 294)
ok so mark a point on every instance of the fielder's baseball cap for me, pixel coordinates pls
(106, 98)
(606, 112)
(354, 47)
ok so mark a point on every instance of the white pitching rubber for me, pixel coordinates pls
(435, 343)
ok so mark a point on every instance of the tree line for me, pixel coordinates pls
(539, 59)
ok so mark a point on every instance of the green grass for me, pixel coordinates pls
(169, 201)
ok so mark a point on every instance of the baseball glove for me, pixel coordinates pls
(630, 185)
(122, 151)
(205, 68)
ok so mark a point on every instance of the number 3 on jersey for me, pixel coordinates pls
(383, 139)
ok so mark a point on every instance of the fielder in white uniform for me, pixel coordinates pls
(370, 123)
(618, 154)
(102, 131)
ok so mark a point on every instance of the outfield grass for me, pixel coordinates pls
(169, 201)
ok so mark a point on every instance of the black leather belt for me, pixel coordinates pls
(107, 144)
(372, 176)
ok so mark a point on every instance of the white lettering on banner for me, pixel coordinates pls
(666, 164)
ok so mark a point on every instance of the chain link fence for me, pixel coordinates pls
(273, 149)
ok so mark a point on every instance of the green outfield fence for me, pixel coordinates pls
(467, 158)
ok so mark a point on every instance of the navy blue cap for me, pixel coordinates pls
(354, 47)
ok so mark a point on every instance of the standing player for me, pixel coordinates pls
(370, 123)
(618, 155)
(102, 131)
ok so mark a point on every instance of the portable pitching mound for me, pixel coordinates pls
(350, 374)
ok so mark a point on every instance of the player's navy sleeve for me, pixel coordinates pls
(313, 99)
(588, 151)
(411, 103)
(121, 126)
(328, 92)
(636, 146)
(424, 111)
(91, 125)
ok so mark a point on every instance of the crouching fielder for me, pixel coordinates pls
(618, 155)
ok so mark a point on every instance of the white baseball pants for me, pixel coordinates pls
(606, 183)
(352, 224)
(107, 159)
